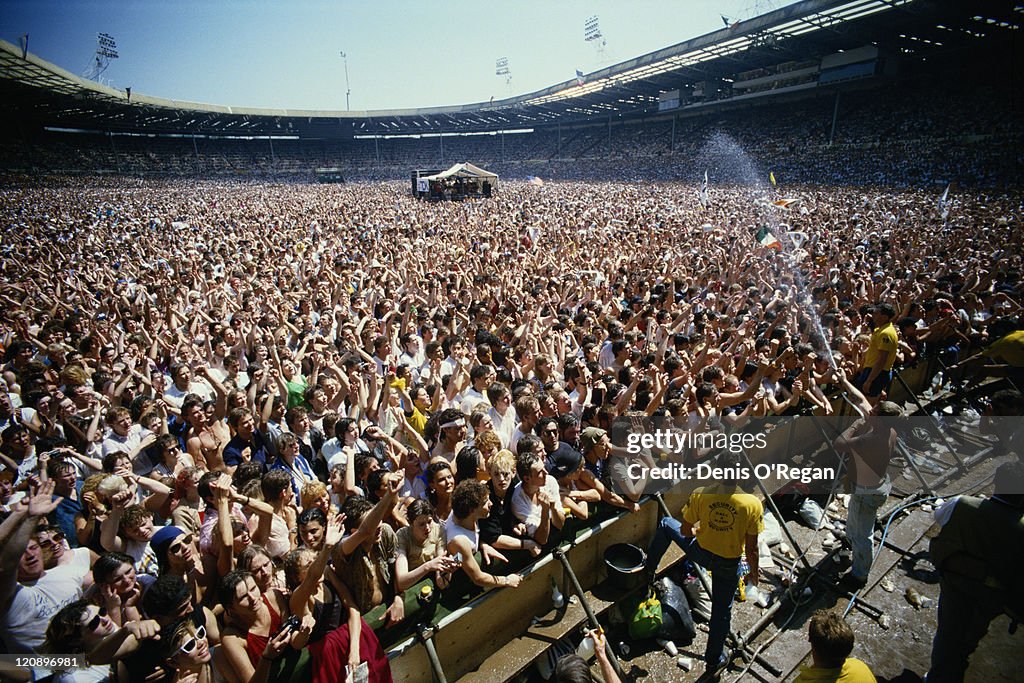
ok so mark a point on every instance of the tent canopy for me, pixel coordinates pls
(466, 170)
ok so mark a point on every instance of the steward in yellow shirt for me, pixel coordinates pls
(720, 521)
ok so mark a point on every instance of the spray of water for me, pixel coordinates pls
(729, 160)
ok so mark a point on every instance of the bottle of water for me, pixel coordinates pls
(557, 599)
(586, 648)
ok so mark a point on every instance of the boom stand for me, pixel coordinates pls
(591, 619)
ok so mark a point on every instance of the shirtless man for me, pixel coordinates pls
(869, 443)
(206, 440)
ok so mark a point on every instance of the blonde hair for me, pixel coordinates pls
(111, 484)
(184, 631)
(311, 493)
(478, 414)
(502, 460)
(92, 483)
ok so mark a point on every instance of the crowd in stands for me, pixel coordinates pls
(251, 419)
(901, 135)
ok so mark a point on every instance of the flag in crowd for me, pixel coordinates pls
(771, 177)
(765, 238)
(944, 204)
(704, 191)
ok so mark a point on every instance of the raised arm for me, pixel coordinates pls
(15, 533)
(298, 602)
(109, 539)
(375, 516)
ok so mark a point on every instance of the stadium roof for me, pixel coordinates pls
(47, 95)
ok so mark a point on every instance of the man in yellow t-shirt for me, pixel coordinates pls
(1008, 349)
(876, 374)
(720, 521)
(831, 644)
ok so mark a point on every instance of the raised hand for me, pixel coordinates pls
(120, 500)
(41, 501)
(335, 530)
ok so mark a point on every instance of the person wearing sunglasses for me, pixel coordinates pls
(187, 651)
(29, 593)
(82, 627)
(167, 602)
(55, 551)
(176, 553)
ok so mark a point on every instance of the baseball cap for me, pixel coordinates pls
(590, 437)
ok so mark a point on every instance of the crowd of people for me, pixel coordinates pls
(904, 134)
(238, 419)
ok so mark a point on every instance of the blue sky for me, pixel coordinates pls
(401, 53)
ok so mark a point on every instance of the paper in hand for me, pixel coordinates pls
(361, 674)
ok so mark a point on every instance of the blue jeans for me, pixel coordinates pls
(860, 524)
(878, 385)
(724, 580)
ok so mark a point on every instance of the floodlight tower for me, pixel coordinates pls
(592, 34)
(348, 90)
(501, 69)
(106, 50)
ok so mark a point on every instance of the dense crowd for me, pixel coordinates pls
(244, 417)
(905, 135)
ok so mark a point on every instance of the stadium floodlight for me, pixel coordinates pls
(106, 50)
(501, 69)
(348, 90)
(592, 34)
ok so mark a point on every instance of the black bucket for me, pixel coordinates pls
(625, 564)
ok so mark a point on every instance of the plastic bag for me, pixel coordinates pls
(811, 513)
(699, 599)
(647, 619)
(677, 621)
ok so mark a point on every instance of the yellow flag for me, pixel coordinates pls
(771, 177)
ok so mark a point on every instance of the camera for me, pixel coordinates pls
(292, 623)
